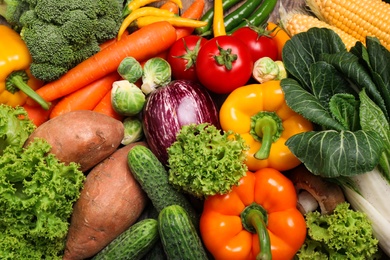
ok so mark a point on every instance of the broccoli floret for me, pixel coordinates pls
(343, 234)
(61, 34)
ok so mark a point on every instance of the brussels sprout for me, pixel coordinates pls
(265, 69)
(157, 73)
(126, 98)
(133, 130)
(130, 69)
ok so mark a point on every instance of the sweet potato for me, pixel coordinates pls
(110, 202)
(83, 136)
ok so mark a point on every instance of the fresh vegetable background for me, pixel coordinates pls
(226, 129)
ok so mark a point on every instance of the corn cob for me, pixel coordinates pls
(295, 23)
(358, 18)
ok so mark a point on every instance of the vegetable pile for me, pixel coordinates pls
(149, 129)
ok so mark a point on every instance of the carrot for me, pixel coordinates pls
(37, 114)
(163, 54)
(111, 41)
(86, 98)
(105, 107)
(141, 44)
(194, 11)
(170, 6)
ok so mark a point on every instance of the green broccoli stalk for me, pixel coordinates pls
(37, 193)
(343, 234)
(61, 34)
(205, 161)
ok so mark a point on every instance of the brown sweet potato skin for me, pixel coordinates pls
(83, 136)
(110, 203)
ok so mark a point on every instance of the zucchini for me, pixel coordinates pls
(153, 178)
(133, 243)
(178, 235)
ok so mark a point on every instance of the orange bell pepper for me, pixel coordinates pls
(259, 113)
(258, 219)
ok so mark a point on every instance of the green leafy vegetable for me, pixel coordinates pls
(343, 234)
(14, 130)
(133, 130)
(157, 73)
(130, 69)
(37, 193)
(324, 86)
(61, 33)
(127, 99)
(204, 161)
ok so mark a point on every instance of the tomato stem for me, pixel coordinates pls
(225, 57)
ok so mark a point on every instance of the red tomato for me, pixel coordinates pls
(259, 44)
(219, 78)
(182, 56)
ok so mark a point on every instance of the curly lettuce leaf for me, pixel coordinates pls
(343, 234)
(204, 161)
(15, 127)
(37, 193)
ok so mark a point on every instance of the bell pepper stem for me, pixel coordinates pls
(254, 219)
(18, 80)
(266, 128)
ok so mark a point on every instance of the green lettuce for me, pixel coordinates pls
(37, 193)
(343, 234)
(204, 161)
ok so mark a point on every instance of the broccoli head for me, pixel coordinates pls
(343, 234)
(61, 34)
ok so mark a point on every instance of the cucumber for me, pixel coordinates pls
(178, 235)
(153, 178)
(134, 243)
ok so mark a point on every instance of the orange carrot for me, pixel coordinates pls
(141, 44)
(86, 98)
(105, 107)
(163, 54)
(111, 41)
(170, 6)
(194, 11)
(37, 114)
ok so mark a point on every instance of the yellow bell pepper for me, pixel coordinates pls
(259, 113)
(16, 81)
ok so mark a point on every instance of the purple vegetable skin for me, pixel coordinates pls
(169, 108)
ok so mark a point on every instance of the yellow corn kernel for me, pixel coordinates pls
(299, 22)
(358, 18)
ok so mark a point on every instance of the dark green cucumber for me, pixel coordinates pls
(258, 17)
(236, 17)
(209, 15)
(153, 178)
(178, 235)
(134, 243)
